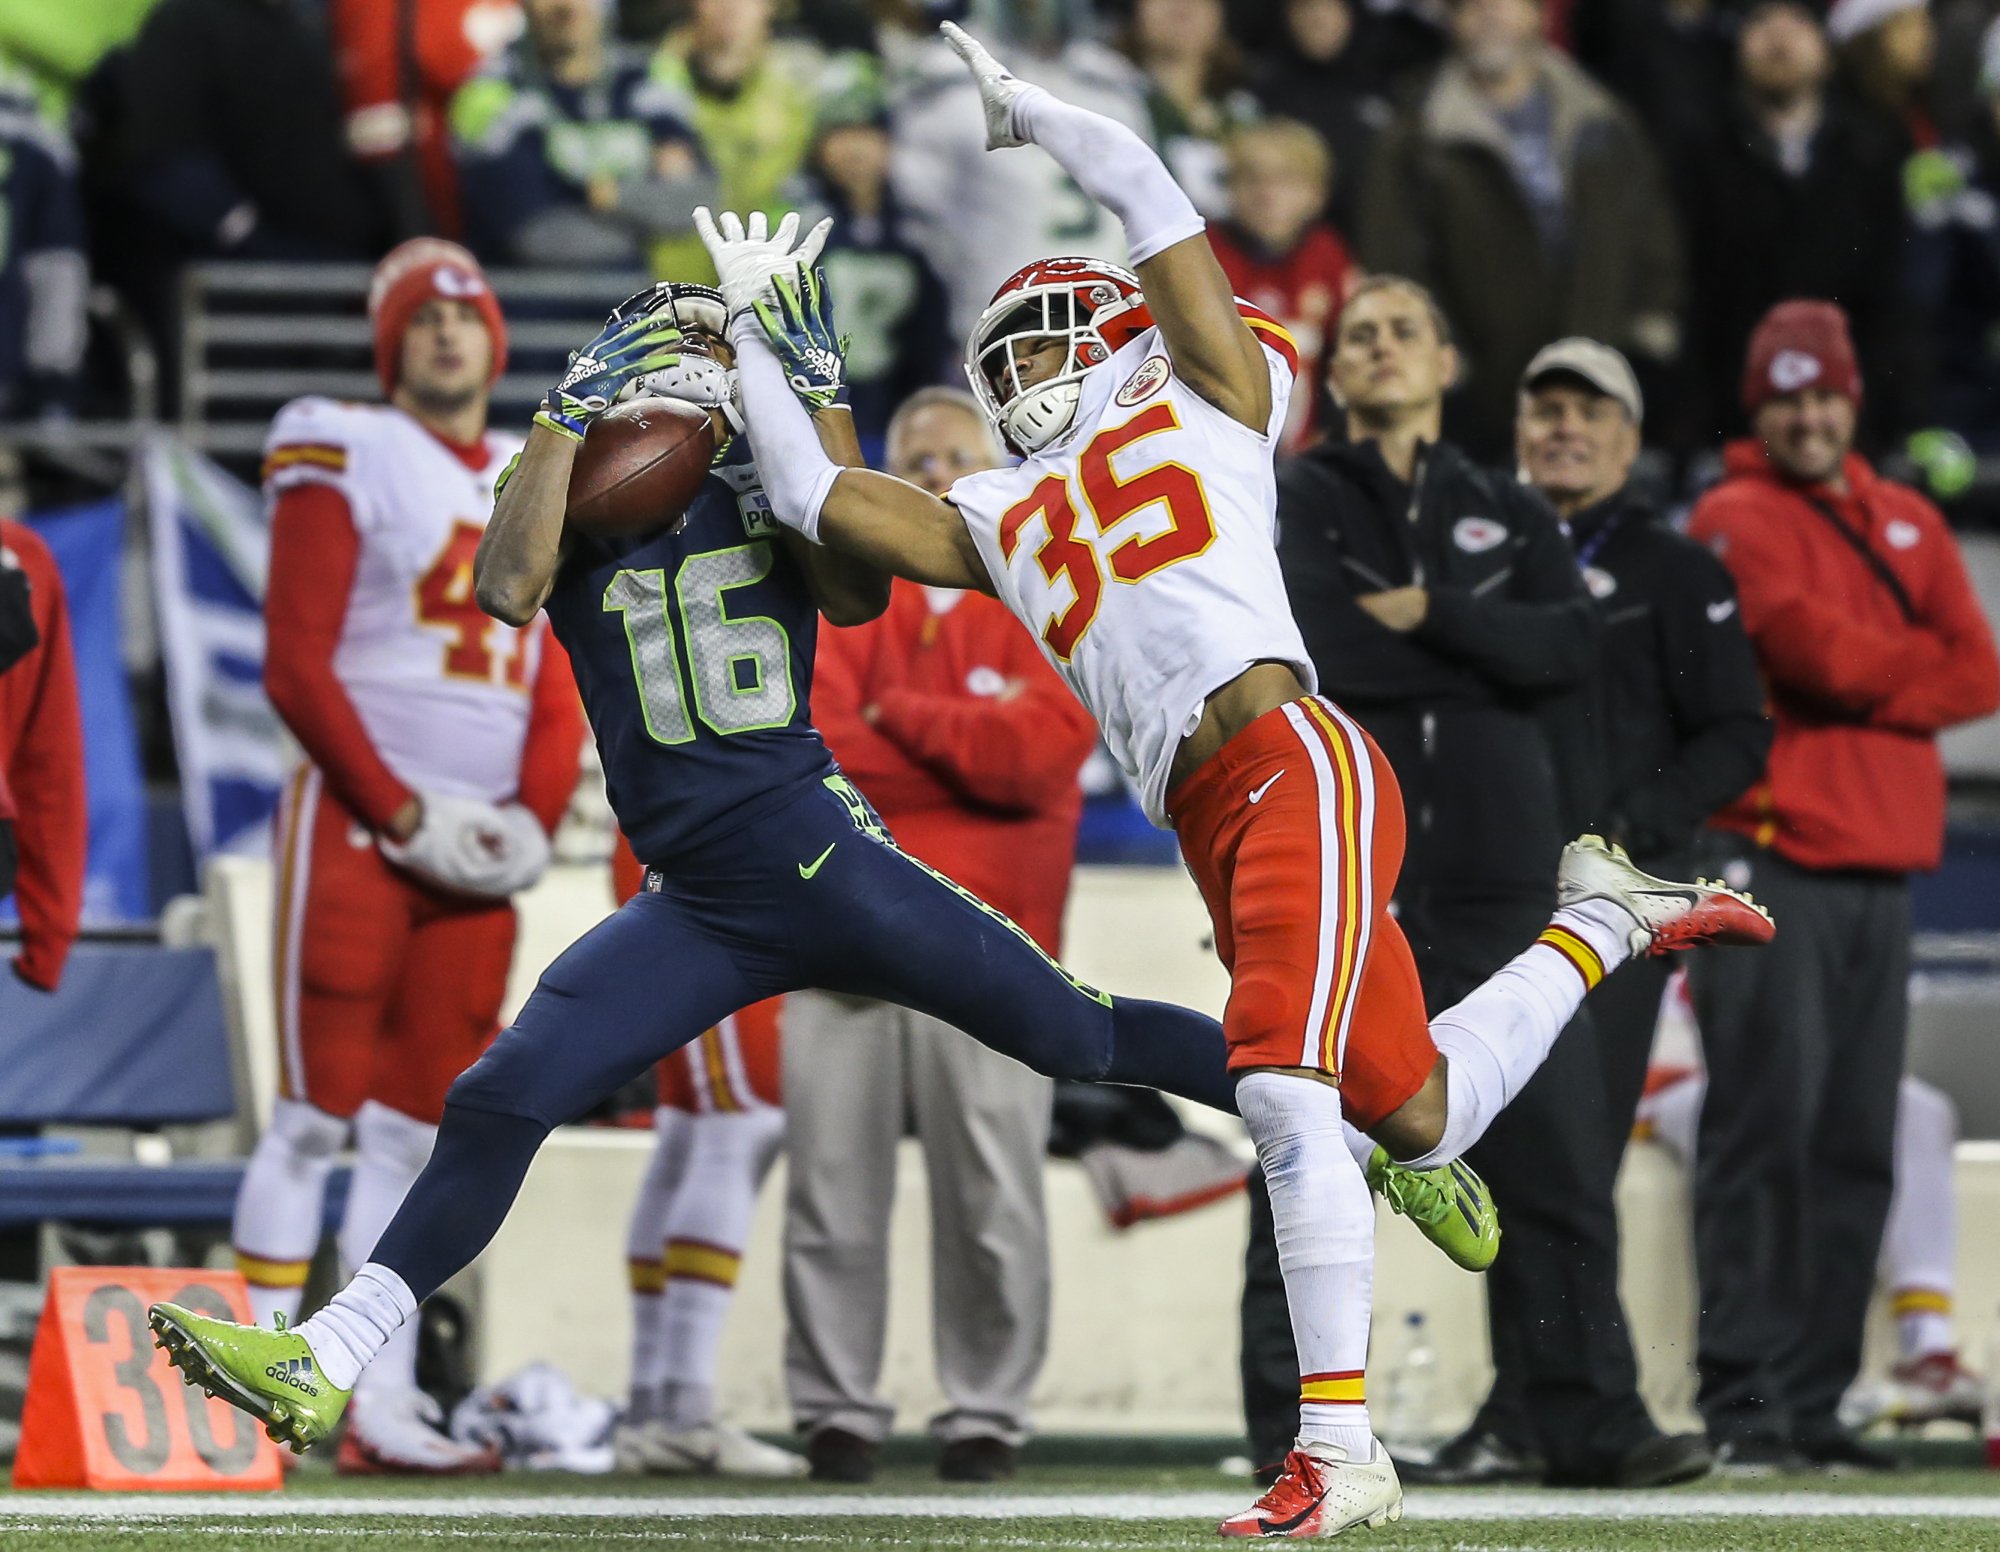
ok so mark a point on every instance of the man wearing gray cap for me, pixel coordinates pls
(1674, 725)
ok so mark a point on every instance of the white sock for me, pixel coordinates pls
(1920, 1236)
(1360, 1145)
(1496, 1038)
(1325, 1221)
(390, 1151)
(707, 1226)
(276, 1226)
(645, 1235)
(357, 1323)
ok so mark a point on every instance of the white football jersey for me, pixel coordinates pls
(1140, 548)
(441, 686)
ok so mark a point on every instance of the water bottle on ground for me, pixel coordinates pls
(1409, 1397)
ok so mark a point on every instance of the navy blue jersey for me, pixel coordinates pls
(694, 653)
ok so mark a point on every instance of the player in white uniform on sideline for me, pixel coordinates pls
(1136, 542)
(441, 747)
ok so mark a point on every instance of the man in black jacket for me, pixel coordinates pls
(1443, 609)
(1675, 723)
(1668, 729)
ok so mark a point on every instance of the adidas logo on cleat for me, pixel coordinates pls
(297, 1373)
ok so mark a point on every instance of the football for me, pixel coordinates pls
(639, 467)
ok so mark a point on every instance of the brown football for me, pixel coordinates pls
(639, 467)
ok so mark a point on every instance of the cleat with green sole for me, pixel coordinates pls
(1450, 1204)
(269, 1374)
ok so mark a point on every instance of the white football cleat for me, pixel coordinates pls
(393, 1431)
(997, 89)
(1320, 1492)
(1666, 916)
(712, 1450)
(1933, 1388)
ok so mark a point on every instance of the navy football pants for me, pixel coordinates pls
(812, 894)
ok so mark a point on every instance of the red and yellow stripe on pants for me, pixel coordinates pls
(1294, 833)
(730, 1068)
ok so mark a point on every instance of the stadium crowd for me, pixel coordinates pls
(1651, 173)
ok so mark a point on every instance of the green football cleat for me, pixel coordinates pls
(269, 1374)
(1450, 1204)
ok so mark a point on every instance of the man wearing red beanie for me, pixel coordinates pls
(440, 748)
(1871, 642)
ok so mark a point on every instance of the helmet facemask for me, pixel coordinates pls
(701, 376)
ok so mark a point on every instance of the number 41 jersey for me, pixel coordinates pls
(694, 653)
(1140, 548)
(440, 686)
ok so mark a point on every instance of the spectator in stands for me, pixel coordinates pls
(1332, 69)
(945, 716)
(401, 62)
(979, 218)
(44, 283)
(1279, 253)
(892, 304)
(1195, 95)
(1530, 201)
(1872, 642)
(44, 820)
(571, 151)
(1444, 611)
(1788, 191)
(1887, 49)
(1670, 60)
(754, 101)
(232, 136)
(1954, 265)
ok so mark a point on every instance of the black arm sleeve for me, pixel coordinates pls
(1717, 701)
(1357, 658)
(18, 635)
(1540, 635)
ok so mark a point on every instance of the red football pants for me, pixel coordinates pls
(387, 989)
(1294, 833)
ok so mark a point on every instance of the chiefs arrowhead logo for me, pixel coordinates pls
(1902, 534)
(1792, 370)
(1474, 535)
(1144, 383)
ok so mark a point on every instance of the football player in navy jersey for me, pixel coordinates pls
(766, 871)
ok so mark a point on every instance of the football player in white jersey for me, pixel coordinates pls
(440, 748)
(1136, 540)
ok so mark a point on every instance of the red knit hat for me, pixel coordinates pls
(411, 275)
(1800, 345)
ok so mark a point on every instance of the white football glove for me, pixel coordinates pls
(473, 848)
(747, 258)
(997, 88)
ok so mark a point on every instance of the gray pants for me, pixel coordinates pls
(854, 1070)
(1804, 1045)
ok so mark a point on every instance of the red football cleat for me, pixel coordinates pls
(1322, 1493)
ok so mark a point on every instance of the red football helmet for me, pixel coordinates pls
(1091, 306)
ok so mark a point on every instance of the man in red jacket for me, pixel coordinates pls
(1871, 642)
(43, 813)
(945, 716)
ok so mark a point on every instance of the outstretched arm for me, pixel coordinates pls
(1213, 350)
(885, 522)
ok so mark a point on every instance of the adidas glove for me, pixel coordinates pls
(625, 350)
(799, 327)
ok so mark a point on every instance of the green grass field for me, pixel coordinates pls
(1938, 1505)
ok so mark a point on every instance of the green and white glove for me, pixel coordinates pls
(799, 327)
(626, 349)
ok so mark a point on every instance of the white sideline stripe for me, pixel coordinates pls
(142, 1508)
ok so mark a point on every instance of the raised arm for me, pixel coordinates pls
(1213, 350)
(521, 550)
